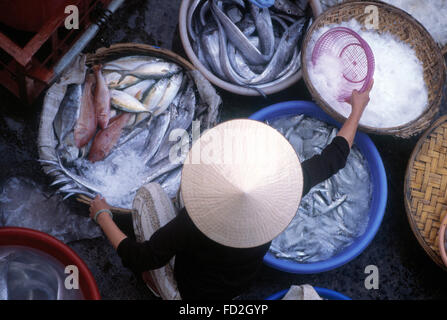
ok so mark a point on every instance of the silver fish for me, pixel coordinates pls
(210, 44)
(264, 27)
(129, 63)
(77, 179)
(288, 7)
(239, 40)
(155, 94)
(170, 93)
(156, 135)
(126, 102)
(189, 19)
(152, 70)
(68, 112)
(138, 90)
(289, 41)
(182, 119)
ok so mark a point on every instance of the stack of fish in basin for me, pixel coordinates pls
(127, 124)
(246, 45)
(335, 212)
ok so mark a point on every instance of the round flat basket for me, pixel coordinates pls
(404, 27)
(46, 141)
(426, 188)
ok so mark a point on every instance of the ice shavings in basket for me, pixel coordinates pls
(399, 95)
(431, 14)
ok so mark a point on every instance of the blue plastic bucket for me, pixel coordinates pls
(379, 194)
(322, 292)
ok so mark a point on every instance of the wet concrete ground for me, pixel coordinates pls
(406, 271)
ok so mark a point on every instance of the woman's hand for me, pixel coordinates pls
(99, 203)
(359, 101)
(109, 227)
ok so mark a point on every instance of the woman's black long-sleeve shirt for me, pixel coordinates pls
(205, 269)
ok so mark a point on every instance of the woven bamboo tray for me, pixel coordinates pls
(425, 188)
(115, 51)
(409, 30)
(443, 48)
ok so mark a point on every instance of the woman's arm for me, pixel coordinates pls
(333, 158)
(113, 233)
(358, 101)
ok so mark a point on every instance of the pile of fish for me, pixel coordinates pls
(114, 130)
(333, 213)
(29, 274)
(246, 45)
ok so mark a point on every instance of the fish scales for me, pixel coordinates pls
(333, 213)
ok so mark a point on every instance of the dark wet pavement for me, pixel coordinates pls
(405, 270)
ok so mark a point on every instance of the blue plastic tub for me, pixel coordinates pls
(322, 292)
(379, 194)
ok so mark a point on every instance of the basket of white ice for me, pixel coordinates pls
(409, 71)
(114, 120)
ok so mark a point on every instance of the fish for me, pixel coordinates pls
(129, 62)
(328, 217)
(86, 124)
(170, 93)
(239, 40)
(74, 177)
(225, 60)
(210, 43)
(111, 78)
(290, 39)
(240, 44)
(181, 119)
(155, 136)
(124, 82)
(68, 112)
(101, 99)
(155, 94)
(152, 70)
(264, 28)
(106, 138)
(189, 19)
(288, 7)
(140, 89)
(125, 102)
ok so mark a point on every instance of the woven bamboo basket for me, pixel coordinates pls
(443, 48)
(116, 51)
(406, 28)
(425, 188)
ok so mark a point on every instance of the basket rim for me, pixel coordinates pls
(435, 257)
(325, 106)
(137, 49)
(165, 53)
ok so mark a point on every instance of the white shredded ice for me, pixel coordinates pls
(399, 94)
(432, 14)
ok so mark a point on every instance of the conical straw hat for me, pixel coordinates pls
(242, 183)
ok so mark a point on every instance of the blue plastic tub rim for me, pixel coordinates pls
(379, 194)
(322, 292)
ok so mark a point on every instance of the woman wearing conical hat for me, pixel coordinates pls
(242, 183)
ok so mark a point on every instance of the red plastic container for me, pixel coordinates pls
(12, 236)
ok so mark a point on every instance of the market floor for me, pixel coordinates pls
(405, 270)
